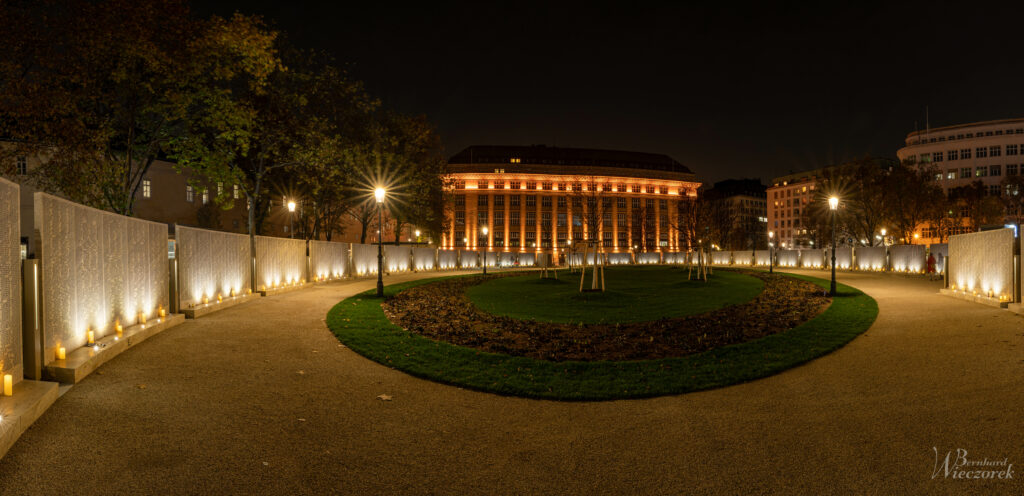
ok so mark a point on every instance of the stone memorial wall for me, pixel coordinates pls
(328, 260)
(447, 259)
(908, 258)
(97, 268)
(982, 262)
(364, 259)
(279, 261)
(397, 258)
(10, 280)
(869, 257)
(210, 262)
(423, 258)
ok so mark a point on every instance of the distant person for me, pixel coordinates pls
(931, 267)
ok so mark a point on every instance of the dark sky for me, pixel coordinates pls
(730, 91)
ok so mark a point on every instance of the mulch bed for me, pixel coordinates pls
(441, 311)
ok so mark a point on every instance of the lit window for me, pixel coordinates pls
(236, 191)
(189, 194)
(206, 196)
(146, 189)
(220, 188)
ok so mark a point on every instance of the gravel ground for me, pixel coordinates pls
(261, 399)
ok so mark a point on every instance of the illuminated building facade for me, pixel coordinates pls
(543, 199)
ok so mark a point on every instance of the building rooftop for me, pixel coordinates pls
(923, 132)
(549, 155)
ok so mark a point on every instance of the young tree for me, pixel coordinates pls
(912, 191)
(975, 205)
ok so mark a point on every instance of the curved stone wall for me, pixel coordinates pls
(210, 262)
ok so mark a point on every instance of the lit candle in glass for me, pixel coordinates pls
(142, 318)
(219, 298)
(160, 311)
(118, 328)
(90, 337)
(60, 353)
(8, 385)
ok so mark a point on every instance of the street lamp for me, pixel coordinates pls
(378, 194)
(771, 265)
(833, 204)
(486, 242)
(291, 218)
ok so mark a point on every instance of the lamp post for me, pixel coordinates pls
(833, 204)
(291, 218)
(771, 258)
(379, 195)
(484, 254)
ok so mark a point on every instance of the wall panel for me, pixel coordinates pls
(447, 259)
(10, 280)
(328, 259)
(982, 262)
(869, 257)
(279, 261)
(907, 258)
(397, 258)
(364, 259)
(423, 258)
(210, 263)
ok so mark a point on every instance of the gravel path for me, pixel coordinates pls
(261, 399)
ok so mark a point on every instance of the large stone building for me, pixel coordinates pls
(743, 203)
(788, 196)
(980, 151)
(541, 199)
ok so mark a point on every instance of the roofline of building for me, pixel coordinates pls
(963, 126)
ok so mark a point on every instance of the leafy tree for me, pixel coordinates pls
(975, 205)
(94, 88)
(1013, 198)
(911, 192)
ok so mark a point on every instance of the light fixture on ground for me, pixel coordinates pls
(484, 255)
(379, 194)
(833, 204)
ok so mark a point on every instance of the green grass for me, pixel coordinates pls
(360, 324)
(635, 294)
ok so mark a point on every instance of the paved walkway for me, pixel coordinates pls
(261, 399)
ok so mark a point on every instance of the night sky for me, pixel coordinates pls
(735, 91)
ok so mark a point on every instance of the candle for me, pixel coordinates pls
(232, 292)
(118, 328)
(160, 311)
(205, 300)
(8, 385)
(60, 353)
(219, 298)
(90, 337)
(142, 317)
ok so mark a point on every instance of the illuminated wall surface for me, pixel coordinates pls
(577, 258)
(869, 257)
(761, 257)
(423, 258)
(397, 258)
(982, 262)
(907, 258)
(10, 280)
(364, 259)
(527, 260)
(279, 261)
(469, 258)
(744, 257)
(210, 263)
(507, 259)
(447, 259)
(937, 249)
(328, 259)
(491, 258)
(96, 267)
(814, 258)
(648, 258)
(844, 257)
(619, 258)
(721, 257)
(787, 258)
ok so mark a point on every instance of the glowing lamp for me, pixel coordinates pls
(378, 194)
(291, 206)
(61, 353)
(248, 290)
(205, 300)
(8, 385)
(118, 328)
(160, 311)
(833, 202)
(90, 337)
(219, 298)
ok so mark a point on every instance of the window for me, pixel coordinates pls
(460, 184)
(220, 188)
(237, 192)
(965, 154)
(460, 200)
(1011, 150)
(622, 220)
(980, 152)
(562, 222)
(546, 185)
(663, 204)
(513, 218)
(993, 190)
(460, 218)
(513, 200)
(606, 220)
(545, 219)
(937, 157)
(206, 196)
(561, 186)
(499, 184)
(147, 188)
(650, 204)
(965, 173)
(636, 203)
(189, 194)
(531, 200)
(621, 188)
(925, 158)
(981, 171)
(481, 218)
(650, 189)
(561, 202)
(513, 185)
(513, 240)
(481, 201)
(1011, 169)
(995, 151)
(515, 160)
(531, 185)
(460, 238)
(22, 163)
(531, 219)
(577, 202)
(995, 170)
(499, 200)
(951, 155)
(499, 220)
(499, 171)
(620, 202)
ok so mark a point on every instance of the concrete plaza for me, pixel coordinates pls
(262, 399)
